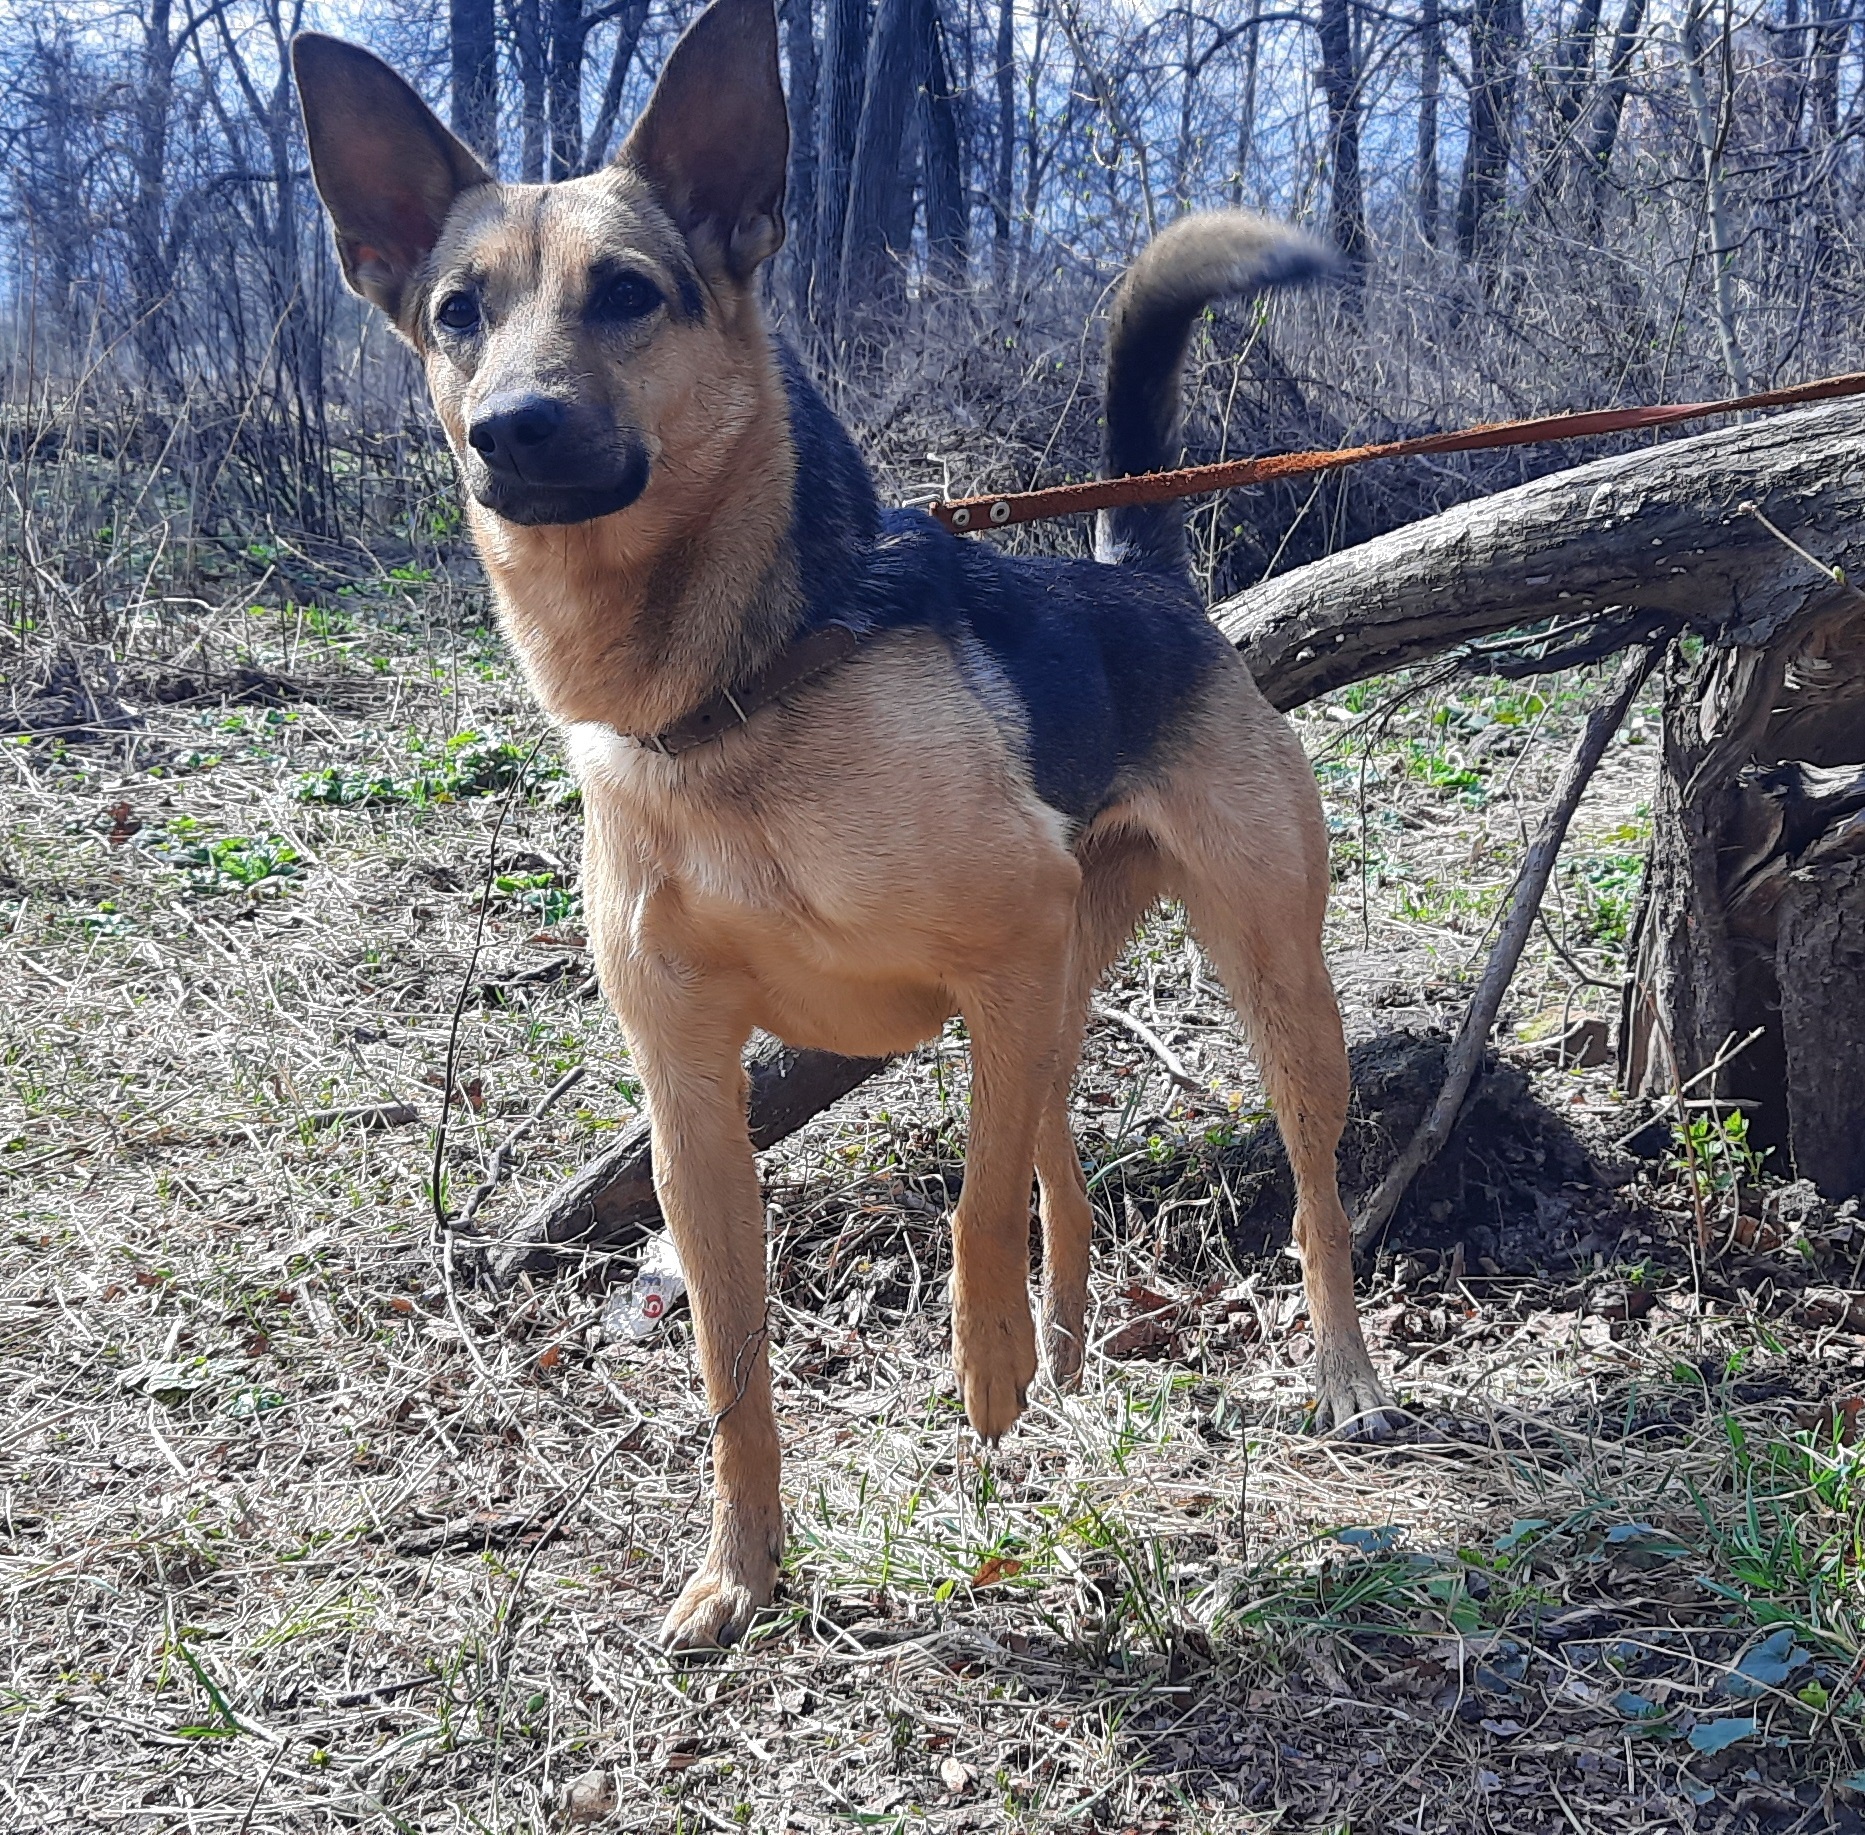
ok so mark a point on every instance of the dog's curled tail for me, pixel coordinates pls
(1186, 267)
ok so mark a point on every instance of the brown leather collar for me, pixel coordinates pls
(809, 656)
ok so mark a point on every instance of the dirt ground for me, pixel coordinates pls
(296, 1533)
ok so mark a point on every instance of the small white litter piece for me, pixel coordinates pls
(636, 1312)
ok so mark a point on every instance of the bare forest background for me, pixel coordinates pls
(303, 1529)
(1543, 204)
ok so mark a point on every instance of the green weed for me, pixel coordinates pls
(257, 865)
(1714, 1154)
(468, 764)
(550, 902)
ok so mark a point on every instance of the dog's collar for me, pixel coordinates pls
(794, 665)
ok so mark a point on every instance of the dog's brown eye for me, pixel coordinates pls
(458, 312)
(628, 296)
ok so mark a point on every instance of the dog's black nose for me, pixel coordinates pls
(511, 428)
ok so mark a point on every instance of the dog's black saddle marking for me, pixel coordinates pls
(1101, 660)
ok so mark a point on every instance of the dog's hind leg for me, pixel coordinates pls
(1014, 1012)
(1121, 877)
(1242, 825)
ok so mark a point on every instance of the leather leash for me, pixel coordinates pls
(971, 515)
(827, 645)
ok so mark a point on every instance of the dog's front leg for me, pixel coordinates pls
(707, 1182)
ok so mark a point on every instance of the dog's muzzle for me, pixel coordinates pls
(528, 461)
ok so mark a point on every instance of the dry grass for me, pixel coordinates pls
(292, 1536)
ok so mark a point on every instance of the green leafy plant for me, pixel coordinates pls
(256, 865)
(1603, 889)
(1714, 1154)
(551, 902)
(467, 764)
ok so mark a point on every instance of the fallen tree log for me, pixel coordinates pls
(1684, 536)
(610, 1202)
(1743, 536)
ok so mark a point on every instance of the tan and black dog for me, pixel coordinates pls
(846, 775)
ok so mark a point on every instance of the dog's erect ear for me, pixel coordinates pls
(386, 168)
(714, 139)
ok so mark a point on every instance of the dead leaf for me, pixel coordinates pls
(550, 1358)
(1620, 1300)
(1834, 1420)
(1824, 1307)
(590, 1798)
(1139, 1338)
(1141, 1299)
(994, 1568)
(1760, 1234)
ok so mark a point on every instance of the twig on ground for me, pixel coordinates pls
(459, 1005)
(501, 1156)
(367, 1115)
(1153, 1043)
(1732, 1049)
(1465, 1055)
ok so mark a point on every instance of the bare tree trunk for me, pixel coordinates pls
(568, 36)
(1605, 553)
(1430, 81)
(629, 25)
(1831, 22)
(844, 68)
(1033, 157)
(870, 283)
(1003, 190)
(1608, 111)
(1712, 136)
(528, 36)
(800, 191)
(1246, 101)
(1340, 84)
(942, 158)
(151, 271)
(1190, 67)
(49, 185)
(474, 54)
(1495, 50)
(1749, 920)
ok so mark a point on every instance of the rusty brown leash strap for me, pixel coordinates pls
(968, 515)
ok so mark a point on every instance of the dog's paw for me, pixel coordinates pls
(1351, 1403)
(996, 1363)
(739, 1575)
(1062, 1348)
(714, 1610)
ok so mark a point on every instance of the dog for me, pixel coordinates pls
(845, 775)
